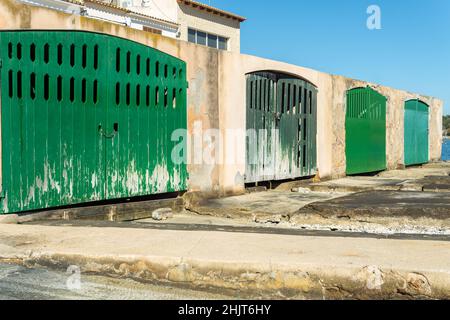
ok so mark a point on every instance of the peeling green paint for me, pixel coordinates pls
(81, 124)
(284, 110)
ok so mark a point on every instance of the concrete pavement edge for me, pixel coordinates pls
(256, 281)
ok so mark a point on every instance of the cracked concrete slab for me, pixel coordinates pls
(438, 165)
(416, 172)
(270, 206)
(380, 211)
(357, 184)
(388, 211)
(433, 177)
(435, 183)
(386, 203)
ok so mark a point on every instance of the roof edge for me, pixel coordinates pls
(222, 13)
(125, 10)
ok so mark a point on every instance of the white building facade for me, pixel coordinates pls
(181, 19)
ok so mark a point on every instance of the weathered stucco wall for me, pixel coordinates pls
(395, 123)
(217, 97)
(232, 104)
(162, 9)
(189, 17)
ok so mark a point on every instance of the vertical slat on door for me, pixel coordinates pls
(292, 153)
(61, 113)
(416, 133)
(365, 131)
(148, 107)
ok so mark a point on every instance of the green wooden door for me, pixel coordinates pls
(281, 127)
(70, 134)
(52, 153)
(416, 132)
(296, 151)
(261, 127)
(365, 128)
(147, 104)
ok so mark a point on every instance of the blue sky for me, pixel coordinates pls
(410, 52)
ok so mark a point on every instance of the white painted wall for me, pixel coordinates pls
(189, 17)
(162, 9)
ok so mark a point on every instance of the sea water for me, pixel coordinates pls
(446, 150)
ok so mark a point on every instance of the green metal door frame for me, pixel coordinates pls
(284, 108)
(1, 144)
(68, 140)
(416, 132)
(365, 126)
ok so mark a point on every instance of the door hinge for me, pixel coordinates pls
(1, 63)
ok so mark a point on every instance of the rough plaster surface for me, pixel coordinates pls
(217, 98)
(203, 21)
(394, 126)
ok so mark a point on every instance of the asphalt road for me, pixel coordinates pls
(20, 283)
(235, 227)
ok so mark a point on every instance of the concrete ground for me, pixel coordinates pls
(380, 212)
(390, 239)
(243, 265)
(359, 184)
(413, 201)
(431, 177)
(437, 170)
(199, 223)
(21, 283)
(263, 207)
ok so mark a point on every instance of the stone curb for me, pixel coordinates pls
(256, 281)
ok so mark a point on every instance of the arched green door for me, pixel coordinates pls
(365, 129)
(87, 117)
(416, 132)
(281, 127)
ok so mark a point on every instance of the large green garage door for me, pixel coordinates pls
(87, 117)
(281, 127)
(365, 128)
(416, 132)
